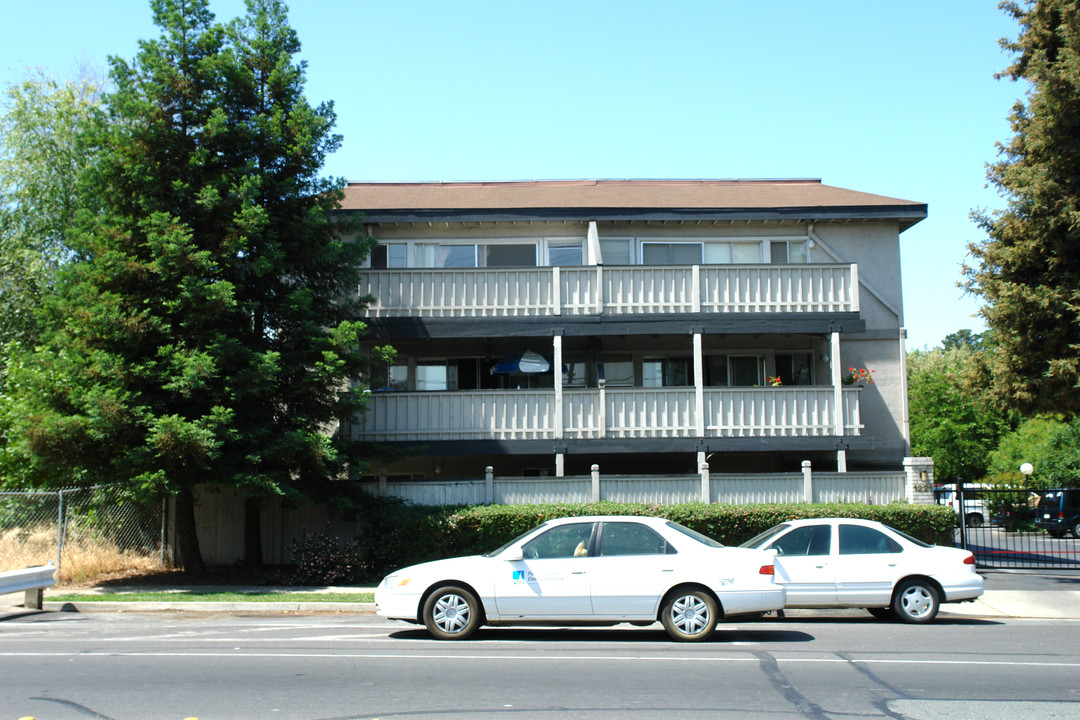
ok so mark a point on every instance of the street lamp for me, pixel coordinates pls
(1027, 469)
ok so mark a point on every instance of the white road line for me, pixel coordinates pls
(550, 658)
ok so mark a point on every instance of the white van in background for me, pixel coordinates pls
(974, 512)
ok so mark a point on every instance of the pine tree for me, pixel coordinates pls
(206, 338)
(1028, 269)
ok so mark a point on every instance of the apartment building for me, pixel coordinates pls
(647, 326)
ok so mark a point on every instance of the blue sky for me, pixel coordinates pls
(894, 98)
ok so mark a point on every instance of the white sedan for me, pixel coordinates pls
(587, 570)
(843, 562)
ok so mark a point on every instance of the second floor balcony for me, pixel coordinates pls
(608, 290)
(613, 413)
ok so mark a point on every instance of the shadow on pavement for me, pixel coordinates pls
(723, 635)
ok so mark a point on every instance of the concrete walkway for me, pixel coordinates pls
(1008, 595)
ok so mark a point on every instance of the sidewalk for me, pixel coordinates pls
(1043, 604)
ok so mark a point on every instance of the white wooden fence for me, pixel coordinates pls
(220, 511)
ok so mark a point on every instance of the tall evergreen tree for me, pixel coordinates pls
(1028, 268)
(206, 337)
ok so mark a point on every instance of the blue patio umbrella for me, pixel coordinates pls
(523, 362)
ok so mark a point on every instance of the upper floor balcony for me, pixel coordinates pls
(610, 290)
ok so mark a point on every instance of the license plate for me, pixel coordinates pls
(1046, 516)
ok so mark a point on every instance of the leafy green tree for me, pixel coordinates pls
(1050, 444)
(1028, 268)
(40, 159)
(206, 335)
(951, 420)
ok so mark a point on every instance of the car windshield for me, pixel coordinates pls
(498, 550)
(703, 539)
(761, 538)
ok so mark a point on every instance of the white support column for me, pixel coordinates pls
(592, 245)
(699, 390)
(489, 485)
(807, 482)
(838, 399)
(560, 465)
(557, 370)
(595, 471)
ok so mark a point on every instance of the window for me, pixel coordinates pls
(436, 375)
(805, 541)
(665, 372)
(446, 256)
(726, 253)
(787, 251)
(564, 253)
(389, 256)
(860, 540)
(565, 541)
(746, 370)
(627, 538)
(516, 255)
(670, 253)
(794, 368)
(389, 377)
(573, 373)
(617, 370)
(716, 370)
(615, 252)
(433, 255)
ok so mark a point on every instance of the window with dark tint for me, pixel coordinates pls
(561, 542)
(622, 538)
(809, 540)
(860, 540)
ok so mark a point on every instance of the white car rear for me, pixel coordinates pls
(843, 562)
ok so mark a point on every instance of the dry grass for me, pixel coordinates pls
(85, 558)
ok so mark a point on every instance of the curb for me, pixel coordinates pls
(210, 607)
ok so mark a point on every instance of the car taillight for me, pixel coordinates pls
(767, 570)
(1061, 516)
(969, 560)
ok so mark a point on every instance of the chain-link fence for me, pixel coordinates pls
(86, 532)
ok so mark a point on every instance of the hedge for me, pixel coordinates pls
(397, 534)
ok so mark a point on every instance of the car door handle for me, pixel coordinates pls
(577, 572)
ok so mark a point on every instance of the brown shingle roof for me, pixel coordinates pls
(722, 198)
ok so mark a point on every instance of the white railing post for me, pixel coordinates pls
(603, 408)
(382, 481)
(595, 470)
(556, 291)
(807, 482)
(489, 485)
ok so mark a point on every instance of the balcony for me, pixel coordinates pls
(599, 290)
(608, 413)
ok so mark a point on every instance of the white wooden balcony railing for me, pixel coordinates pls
(595, 290)
(610, 413)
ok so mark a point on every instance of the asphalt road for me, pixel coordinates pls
(833, 664)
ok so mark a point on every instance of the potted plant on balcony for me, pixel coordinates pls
(858, 377)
